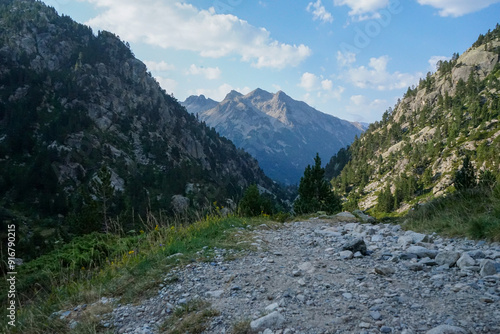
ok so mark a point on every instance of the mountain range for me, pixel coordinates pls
(414, 152)
(283, 134)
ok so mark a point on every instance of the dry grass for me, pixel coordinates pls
(191, 318)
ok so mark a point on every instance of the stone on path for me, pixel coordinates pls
(422, 252)
(446, 329)
(273, 321)
(356, 245)
(346, 255)
(384, 271)
(488, 268)
(215, 293)
(447, 258)
(465, 261)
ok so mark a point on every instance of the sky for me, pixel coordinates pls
(349, 58)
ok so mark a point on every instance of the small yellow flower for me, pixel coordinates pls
(141, 232)
(156, 228)
(131, 252)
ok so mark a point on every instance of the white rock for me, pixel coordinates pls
(447, 258)
(272, 307)
(272, 321)
(346, 255)
(488, 268)
(465, 261)
(215, 293)
(446, 329)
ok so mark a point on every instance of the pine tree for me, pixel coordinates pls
(315, 193)
(102, 191)
(385, 200)
(253, 204)
(465, 178)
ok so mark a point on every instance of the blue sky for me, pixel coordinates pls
(349, 58)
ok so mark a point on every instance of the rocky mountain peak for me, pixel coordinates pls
(282, 133)
(232, 95)
(198, 104)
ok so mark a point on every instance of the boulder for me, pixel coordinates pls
(364, 217)
(356, 245)
(272, 321)
(465, 261)
(488, 268)
(346, 255)
(447, 258)
(345, 214)
(446, 329)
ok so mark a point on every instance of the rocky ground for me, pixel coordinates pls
(321, 276)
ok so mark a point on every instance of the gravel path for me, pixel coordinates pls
(302, 277)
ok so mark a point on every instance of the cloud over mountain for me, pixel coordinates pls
(457, 8)
(182, 26)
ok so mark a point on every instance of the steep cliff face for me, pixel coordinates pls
(72, 101)
(283, 134)
(417, 147)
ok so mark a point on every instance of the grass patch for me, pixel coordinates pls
(192, 318)
(242, 327)
(474, 213)
(96, 265)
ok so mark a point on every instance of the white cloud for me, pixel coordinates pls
(319, 12)
(182, 26)
(457, 8)
(211, 73)
(168, 84)
(327, 84)
(319, 88)
(364, 108)
(360, 8)
(309, 81)
(219, 93)
(376, 76)
(159, 66)
(345, 58)
(434, 60)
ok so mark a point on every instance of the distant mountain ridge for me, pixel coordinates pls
(283, 134)
(415, 150)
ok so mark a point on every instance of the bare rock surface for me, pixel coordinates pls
(297, 281)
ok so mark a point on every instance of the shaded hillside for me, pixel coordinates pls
(413, 152)
(283, 134)
(78, 109)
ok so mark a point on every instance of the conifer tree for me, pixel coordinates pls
(465, 178)
(315, 193)
(253, 204)
(102, 191)
(385, 200)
